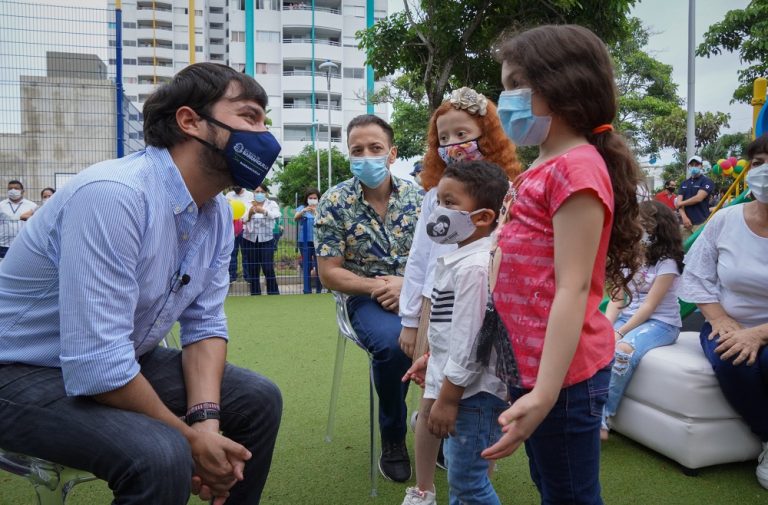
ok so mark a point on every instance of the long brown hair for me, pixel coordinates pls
(570, 68)
(493, 142)
(666, 241)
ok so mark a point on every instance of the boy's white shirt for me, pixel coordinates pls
(459, 299)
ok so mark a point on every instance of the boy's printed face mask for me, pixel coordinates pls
(461, 151)
(450, 226)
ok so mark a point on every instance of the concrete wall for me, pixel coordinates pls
(66, 125)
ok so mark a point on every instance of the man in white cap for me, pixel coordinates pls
(693, 197)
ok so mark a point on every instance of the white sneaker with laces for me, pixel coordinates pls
(415, 496)
(762, 467)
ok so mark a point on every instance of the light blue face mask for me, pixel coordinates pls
(371, 170)
(518, 120)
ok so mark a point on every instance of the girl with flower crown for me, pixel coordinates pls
(465, 127)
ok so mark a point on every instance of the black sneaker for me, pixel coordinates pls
(394, 463)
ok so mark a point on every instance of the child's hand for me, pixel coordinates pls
(442, 419)
(418, 371)
(518, 424)
(407, 340)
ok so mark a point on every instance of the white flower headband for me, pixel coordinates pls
(469, 100)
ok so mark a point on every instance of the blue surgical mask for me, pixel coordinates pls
(260, 197)
(695, 171)
(249, 154)
(370, 170)
(518, 120)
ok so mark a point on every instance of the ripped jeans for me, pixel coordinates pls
(649, 335)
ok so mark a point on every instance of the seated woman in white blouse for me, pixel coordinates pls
(726, 277)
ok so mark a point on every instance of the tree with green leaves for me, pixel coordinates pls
(745, 31)
(645, 88)
(445, 44)
(670, 131)
(300, 173)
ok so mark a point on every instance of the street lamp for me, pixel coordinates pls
(328, 66)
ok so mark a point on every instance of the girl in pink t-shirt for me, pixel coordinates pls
(574, 223)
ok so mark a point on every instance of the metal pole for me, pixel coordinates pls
(329, 130)
(691, 123)
(315, 134)
(119, 117)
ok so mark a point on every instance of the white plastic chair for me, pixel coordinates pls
(346, 332)
(52, 482)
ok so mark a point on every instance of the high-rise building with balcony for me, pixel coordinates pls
(282, 46)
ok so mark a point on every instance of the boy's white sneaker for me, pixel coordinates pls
(762, 467)
(415, 496)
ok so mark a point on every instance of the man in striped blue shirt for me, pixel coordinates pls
(91, 286)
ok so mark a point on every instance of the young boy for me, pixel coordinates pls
(467, 396)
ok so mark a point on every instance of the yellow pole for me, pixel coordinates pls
(154, 45)
(191, 31)
(758, 100)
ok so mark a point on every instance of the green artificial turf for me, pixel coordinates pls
(292, 340)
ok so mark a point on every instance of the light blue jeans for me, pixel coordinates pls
(477, 428)
(649, 335)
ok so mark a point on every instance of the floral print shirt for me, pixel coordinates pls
(347, 226)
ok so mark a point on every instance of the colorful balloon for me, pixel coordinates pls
(716, 169)
(733, 160)
(721, 162)
(740, 166)
(238, 209)
(728, 170)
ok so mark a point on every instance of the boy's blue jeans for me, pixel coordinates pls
(564, 451)
(477, 427)
(647, 336)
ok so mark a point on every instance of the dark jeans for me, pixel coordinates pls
(564, 451)
(143, 460)
(379, 331)
(744, 386)
(307, 250)
(259, 256)
(239, 246)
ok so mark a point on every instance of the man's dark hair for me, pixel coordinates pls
(484, 181)
(14, 181)
(369, 119)
(198, 86)
(757, 146)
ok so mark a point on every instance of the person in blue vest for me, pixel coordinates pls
(693, 197)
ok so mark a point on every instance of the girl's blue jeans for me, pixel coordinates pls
(564, 451)
(649, 335)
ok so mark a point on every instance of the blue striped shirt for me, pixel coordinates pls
(95, 278)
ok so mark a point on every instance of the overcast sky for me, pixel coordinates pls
(668, 21)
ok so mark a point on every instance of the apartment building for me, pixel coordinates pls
(283, 48)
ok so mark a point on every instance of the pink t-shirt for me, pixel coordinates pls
(525, 287)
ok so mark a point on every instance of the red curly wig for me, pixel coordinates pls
(494, 144)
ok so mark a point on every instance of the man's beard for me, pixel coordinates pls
(213, 164)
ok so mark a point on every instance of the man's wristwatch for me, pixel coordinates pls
(202, 415)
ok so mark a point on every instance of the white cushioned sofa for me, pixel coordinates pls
(674, 406)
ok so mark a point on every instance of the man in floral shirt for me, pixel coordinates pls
(363, 233)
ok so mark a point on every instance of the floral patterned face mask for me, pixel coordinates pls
(461, 151)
